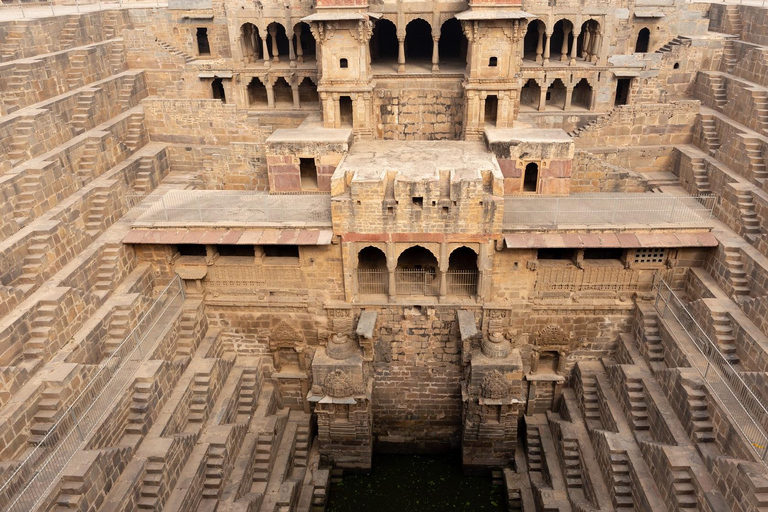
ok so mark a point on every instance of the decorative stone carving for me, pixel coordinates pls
(283, 335)
(495, 386)
(340, 346)
(338, 384)
(551, 335)
(496, 346)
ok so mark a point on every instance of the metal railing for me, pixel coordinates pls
(607, 209)
(746, 410)
(220, 205)
(462, 282)
(371, 281)
(417, 282)
(33, 479)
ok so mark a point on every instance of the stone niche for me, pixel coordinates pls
(342, 398)
(533, 161)
(493, 398)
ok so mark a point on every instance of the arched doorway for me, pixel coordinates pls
(556, 94)
(257, 93)
(384, 45)
(372, 274)
(283, 94)
(643, 40)
(589, 40)
(217, 89)
(462, 275)
(530, 95)
(277, 42)
(562, 39)
(308, 93)
(418, 41)
(533, 43)
(452, 47)
(303, 42)
(582, 95)
(417, 272)
(250, 43)
(531, 177)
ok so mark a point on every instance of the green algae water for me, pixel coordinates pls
(416, 483)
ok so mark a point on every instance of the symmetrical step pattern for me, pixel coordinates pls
(709, 131)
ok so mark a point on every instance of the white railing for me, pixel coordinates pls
(607, 209)
(242, 207)
(745, 409)
(372, 281)
(34, 478)
(417, 282)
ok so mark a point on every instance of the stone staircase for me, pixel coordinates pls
(572, 464)
(653, 343)
(723, 330)
(87, 163)
(734, 19)
(16, 85)
(677, 41)
(198, 407)
(26, 200)
(622, 482)
(637, 407)
(25, 129)
(301, 450)
(143, 183)
(683, 489)
(737, 274)
(702, 427)
(13, 41)
(709, 132)
(246, 399)
(760, 101)
(119, 327)
(35, 260)
(140, 406)
(748, 215)
(105, 275)
(718, 90)
(215, 463)
(75, 77)
(97, 213)
(151, 485)
(116, 57)
(591, 402)
(135, 128)
(82, 112)
(700, 176)
(48, 412)
(533, 448)
(36, 346)
(68, 35)
(730, 60)
(175, 51)
(757, 165)
(126, 90)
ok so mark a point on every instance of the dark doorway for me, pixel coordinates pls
(531, 177)
(530, 95)
(452, 46)
(308, 172)
(217, 87)
(622, 91)
(203, 46)
(283, 94)
(491, 108)
(308, 92)
(531, 41)
(418, 40)
(384, 43)
(582, 94)
(345, 110)
(257, 93)
(643, 40)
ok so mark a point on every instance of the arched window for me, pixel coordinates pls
(250, 42)
(562, 39)
(462, 272)
(530, 94)
(491, 109)
(582, 94)
(452, 46)
(556, 94)
(257, 93)
(372, 274)
(303, 42)
(418, 41)
(308, 92)
(384, 45)
(417, 272)
(531, 177)
(282, 93)
(533, 44)
(589, 40)
(643, 40)
(277, 42)
(217, 88)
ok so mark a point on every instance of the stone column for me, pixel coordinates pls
(540, 44)
(443, 266)
(564, 49)
(273, 33)
(270, 94)
(481, 112)
(543, 97)
(391, 267)
(568, 97)
(435, 54)
(597, 41)
(255, 43)
(585, 43)
(299, 48)
(266, 50)
(574, 46)
(295, 91)
(401, 54)
(336, 111)
(547, 48)
(291, 52)
(561, 360)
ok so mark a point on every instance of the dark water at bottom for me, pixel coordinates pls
(416, 483)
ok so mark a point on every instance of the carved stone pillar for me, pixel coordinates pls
(568, 97)
(401, 54)
(273, 33)
(435, 54)
(564, 49)
(299, 48)
(574, 46)
(598, 40)
(270, 95)
(295, 91)
(547, 48)
(585, 43)
(266, 50)
(543, 97)
(540, 44)
(291, 53)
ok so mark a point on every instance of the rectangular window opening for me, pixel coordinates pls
(203, 46)
(235, 250)
(555, 254)
(191, 250)
(418, 202)
(281, 251)
(308, 171)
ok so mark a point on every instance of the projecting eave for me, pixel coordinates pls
(229, 236)
(624, 240)
(340, 16)
(493, 14)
